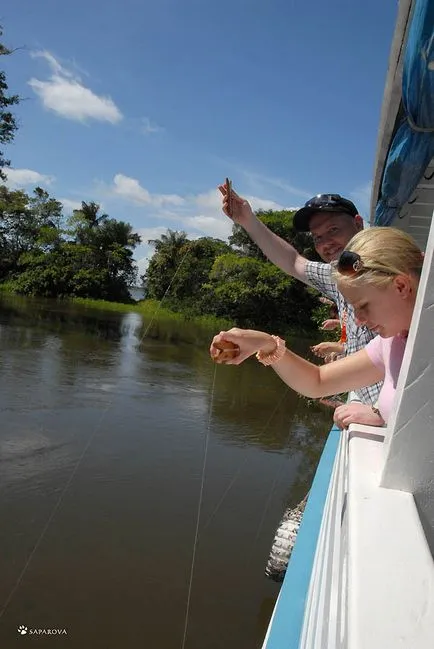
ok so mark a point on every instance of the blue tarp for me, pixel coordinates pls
(413, 144)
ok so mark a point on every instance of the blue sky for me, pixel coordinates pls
(145, 106)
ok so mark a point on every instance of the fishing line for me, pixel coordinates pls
(76, 466)
(242, 463)
(232, 482)
(199, 510)
(276, 479)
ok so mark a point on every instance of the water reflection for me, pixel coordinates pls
(85, 395)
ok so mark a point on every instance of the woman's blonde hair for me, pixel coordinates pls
(384, 253)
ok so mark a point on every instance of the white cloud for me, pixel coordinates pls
(20, 178)
(197, 214)
(52, 62)
(211, 221)
(70, 205)
(209, 226)
(64, 94)
(265, 204)
(148, 127)
(142, 265)
(131, 189)
(147, 234)
(210, 200)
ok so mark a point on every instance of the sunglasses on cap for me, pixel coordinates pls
(350, 263)
(330, 202)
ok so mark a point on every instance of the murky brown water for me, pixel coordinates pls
(101, 455)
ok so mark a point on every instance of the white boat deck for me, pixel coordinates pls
(372, 575)
(390, 567)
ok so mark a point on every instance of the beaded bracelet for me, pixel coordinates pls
(275, 355)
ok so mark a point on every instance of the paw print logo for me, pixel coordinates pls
(22, 629)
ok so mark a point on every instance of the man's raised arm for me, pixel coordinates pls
(276, 249)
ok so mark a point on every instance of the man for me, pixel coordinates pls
(332, 221)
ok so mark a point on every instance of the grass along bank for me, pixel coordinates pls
(161, 323)
(151, 309)
(166, 324)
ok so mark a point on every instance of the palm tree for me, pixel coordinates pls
(87, 221)
(164, 262)
(169, 244)
(89, 214)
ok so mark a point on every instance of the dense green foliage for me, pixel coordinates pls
(234, 280)
(41, 253)
(280, 222)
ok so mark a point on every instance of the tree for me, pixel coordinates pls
(255, 293)
(164, 263)
(86, 221)
(30, 227)
(208, 276)
(114, 242)
(281, 223)
(68, 270)
(198, 258)
(14, 216)
(8, 124)
(26, 223)
(93, 258)
(184, 266)
(111, 244)
(47, 214)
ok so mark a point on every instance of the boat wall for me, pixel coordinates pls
(410, 457)
(406, 140)
(390, 108)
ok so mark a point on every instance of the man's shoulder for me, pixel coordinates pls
(319, 275)
(318, 267)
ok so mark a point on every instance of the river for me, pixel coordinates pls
(102, 448)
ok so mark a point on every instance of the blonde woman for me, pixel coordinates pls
(378, 274)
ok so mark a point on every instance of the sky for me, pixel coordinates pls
(145, 106)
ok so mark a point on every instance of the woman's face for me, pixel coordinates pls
(386, 310)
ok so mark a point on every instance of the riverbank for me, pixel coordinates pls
(153, 310)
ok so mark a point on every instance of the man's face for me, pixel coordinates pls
(331, 232)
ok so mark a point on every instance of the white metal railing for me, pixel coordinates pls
(324, 623)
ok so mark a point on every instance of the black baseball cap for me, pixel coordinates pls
(322, 203)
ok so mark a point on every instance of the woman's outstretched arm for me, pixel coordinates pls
(350, 373)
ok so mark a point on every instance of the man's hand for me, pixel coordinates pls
(330, 324)
(237, 208)
(326, 348)
(326, 300)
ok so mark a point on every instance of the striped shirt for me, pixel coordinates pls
(319, 276)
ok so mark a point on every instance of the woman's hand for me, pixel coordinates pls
(247, 342)
(236, 207)
(356, 413)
